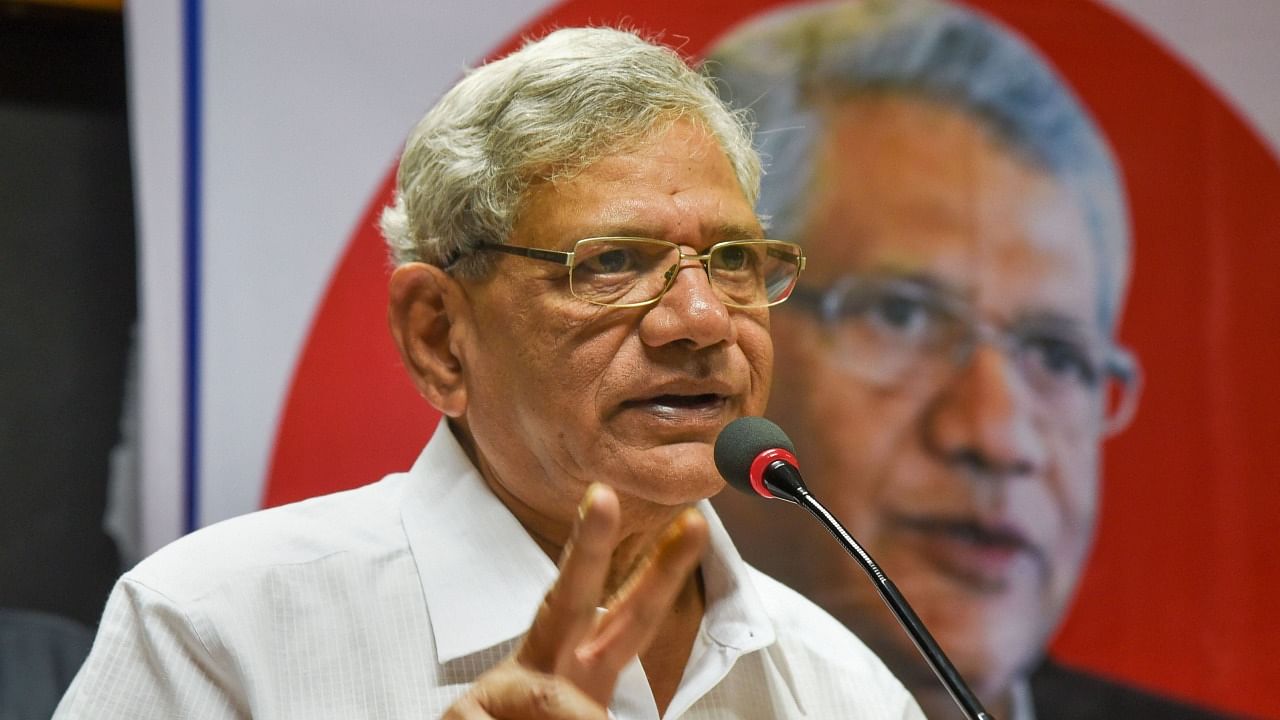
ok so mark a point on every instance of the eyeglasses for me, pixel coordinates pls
(629, 272)
(890, 331)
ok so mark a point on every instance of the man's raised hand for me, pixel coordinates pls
(568, 663)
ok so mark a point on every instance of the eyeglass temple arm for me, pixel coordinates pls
(556, 256)
(793, 258)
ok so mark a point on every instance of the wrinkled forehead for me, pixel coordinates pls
(905, 187)
(678, 186)
(901, 186)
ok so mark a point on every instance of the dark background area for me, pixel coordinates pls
(67, 301)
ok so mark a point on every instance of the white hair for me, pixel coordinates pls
(543, 112)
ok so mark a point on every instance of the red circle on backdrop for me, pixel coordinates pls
(1175, 596)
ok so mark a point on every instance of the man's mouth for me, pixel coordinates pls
(688, 401)
(981, 555)
(679, 405)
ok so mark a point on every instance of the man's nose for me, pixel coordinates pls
(983, 420)
(690, 312)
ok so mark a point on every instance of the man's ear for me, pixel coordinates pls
(422, 309)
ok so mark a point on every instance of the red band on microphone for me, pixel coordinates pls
(762, 461)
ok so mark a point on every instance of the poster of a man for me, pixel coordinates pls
(949, 368)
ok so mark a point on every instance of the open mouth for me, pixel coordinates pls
(705, 400)
(676, 406)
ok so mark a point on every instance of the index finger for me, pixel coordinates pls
(636, 612)
(568, 611)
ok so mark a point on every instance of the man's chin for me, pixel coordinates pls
(673, 475)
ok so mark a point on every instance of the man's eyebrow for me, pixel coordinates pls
(925, 281)
(734, 231)
(1039, 320)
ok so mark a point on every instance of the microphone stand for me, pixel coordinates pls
(792, 488)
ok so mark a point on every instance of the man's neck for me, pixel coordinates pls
(665, 660)
(549, 520)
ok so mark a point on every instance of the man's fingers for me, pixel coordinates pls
(513, 692)
(568, 639)
(636, 612)
(568, 611)
(467, 707)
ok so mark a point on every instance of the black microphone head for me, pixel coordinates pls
(740, 442)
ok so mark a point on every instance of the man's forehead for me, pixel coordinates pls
(679, 184)
(624, 216)
(915, 188)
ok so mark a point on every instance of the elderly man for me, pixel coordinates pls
(582, 290)
(947, 368)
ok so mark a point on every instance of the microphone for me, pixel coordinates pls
(756, 457)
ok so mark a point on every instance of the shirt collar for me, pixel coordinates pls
(735, 616)
(484, 577)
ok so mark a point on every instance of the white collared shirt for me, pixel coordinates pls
(389, 600)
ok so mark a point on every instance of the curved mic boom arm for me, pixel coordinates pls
(784, 482)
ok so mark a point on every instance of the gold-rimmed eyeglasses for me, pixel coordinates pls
(627, 272)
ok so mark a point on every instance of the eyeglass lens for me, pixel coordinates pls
(635, 271)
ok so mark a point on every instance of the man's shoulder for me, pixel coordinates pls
(1063, 693)
(362, 521)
